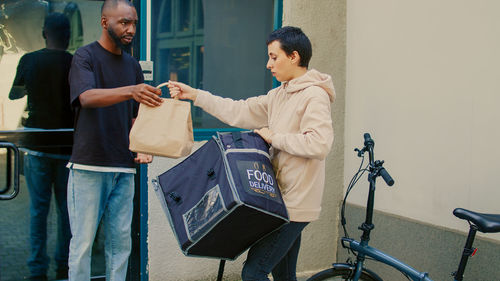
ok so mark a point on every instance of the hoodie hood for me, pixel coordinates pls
(311, 78)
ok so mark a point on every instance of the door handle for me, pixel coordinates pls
(12, 151)
(8, 171)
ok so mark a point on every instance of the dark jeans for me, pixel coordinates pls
(43, 173)
(276, 253)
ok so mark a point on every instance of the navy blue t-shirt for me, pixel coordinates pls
(102, 134)
(44, 74)
(43, 77)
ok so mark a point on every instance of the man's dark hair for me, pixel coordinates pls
(56, 27)
(113, 3)
(293, 39)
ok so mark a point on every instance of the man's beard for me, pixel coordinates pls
(118, 41)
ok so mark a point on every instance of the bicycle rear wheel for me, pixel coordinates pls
(339, 274)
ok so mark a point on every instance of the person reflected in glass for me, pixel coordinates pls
(295, 119)
(42, 76)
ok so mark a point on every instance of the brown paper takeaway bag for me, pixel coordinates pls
(165, 130)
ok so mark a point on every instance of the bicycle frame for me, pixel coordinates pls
(364, 250)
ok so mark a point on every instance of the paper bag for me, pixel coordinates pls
(165, 130)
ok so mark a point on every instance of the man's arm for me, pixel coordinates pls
(18, 89)
(142, 93)
(17, 92)
(85, 92)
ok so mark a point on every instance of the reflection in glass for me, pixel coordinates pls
(37, 101)
(184, 16)
(199, 14)
(176, 63)
(20, 32)
(72, 11)
(42, 76)
(226, 40)
(196, 112)
(165, 21)
(199, 66)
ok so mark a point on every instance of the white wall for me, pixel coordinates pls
(423, 79)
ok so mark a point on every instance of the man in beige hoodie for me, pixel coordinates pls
(295, 119)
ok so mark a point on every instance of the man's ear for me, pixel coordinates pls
(104, 22)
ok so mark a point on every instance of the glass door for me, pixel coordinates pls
(36, 135)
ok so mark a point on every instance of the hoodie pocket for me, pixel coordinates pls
(289, 170)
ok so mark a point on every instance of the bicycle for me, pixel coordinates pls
(486, 223)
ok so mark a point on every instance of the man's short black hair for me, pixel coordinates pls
(293, 39)
(56, 27)
(113, 3)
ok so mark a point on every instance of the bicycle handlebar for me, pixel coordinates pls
(375, 165)
(387, 178)
(368, 140)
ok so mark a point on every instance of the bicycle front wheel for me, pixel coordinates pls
(339, 274)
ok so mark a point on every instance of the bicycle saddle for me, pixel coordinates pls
(487, 223)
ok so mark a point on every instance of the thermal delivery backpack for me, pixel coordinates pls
(224, 197)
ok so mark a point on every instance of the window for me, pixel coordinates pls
(216, 45)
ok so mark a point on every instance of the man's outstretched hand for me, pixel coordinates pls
(147, 94)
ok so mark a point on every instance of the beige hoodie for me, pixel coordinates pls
(298, 112)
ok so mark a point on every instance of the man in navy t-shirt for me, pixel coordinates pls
(106, 85)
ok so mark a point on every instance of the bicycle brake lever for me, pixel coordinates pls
(360, 151)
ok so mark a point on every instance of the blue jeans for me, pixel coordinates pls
(41, 174)
(92, 197)
(276, 253)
